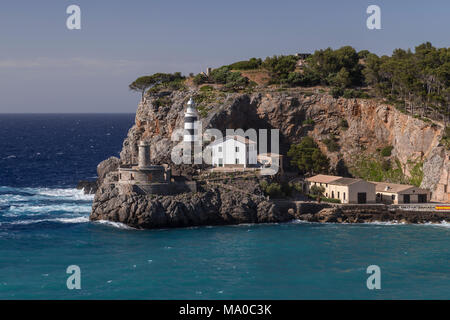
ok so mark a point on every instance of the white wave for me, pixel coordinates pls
(443, 224)
(45, 193)
(69, 194)
(37, 209)
(61, 220)
(298, 221)
(114, 224)
(387, 223)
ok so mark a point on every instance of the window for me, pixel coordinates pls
(332, 194)
(393, 197)
(344, 195)
(339, 196)
(237, 161)
(237, 149)
(220, 149)
(220, 162)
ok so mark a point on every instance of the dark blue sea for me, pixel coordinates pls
(44, 228)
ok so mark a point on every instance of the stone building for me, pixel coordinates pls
(146, 178)
(393, 193)
(347, 190)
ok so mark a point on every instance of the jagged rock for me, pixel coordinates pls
(364, 214)
(372, 125)
(212, 207)
(106, 166)
(88, 187)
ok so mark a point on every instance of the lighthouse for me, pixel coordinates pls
(191, 138)
(190, 123)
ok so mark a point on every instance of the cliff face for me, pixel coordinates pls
(369, 126)
(212, 206)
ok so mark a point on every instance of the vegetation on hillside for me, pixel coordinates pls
(156, 82)
(252, 64)
(230, 80)
(307, 157)
(377, 168)
(415, 82)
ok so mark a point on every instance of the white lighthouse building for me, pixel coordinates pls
(191, 123)
(192, 152)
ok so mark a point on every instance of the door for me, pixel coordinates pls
(422, 198)
(406, 198)
(362, 197)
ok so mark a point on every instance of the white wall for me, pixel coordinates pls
(229, 153)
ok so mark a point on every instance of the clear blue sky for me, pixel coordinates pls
(44, 67)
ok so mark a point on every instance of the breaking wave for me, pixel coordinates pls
(21, 207)
(114, 224)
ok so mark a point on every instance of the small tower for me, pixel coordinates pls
(190, 123)
(144, 155)
(191, 138)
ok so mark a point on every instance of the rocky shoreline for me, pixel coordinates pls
(371, 214)
(220, 206)
(370, 126)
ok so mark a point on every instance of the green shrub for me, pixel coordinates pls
(352, 93)
(416, 172)
(273, 189)
(331, 200)
(375, 168)
(253, 63)
(344, 124)
(162, 102)
(206, 88)
(280, 67)
(331, 143)
(200, 79)
(317, 190)
(446, 138)
(308, 122)
(336, 92)
(307, 157)
(298, 187)
(387, 151)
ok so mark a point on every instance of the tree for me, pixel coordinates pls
(340, 65)
(307, 157)
(141, 85)
(317, 190)
(280, 67)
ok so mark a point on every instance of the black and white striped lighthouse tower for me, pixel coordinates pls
(190, 138)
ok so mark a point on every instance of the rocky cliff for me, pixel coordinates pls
(361, 127)
(211, 206)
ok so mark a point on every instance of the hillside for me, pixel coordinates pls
(362, 129)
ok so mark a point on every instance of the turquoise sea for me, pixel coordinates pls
(44, 228)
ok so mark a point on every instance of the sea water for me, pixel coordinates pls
(44, 228)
